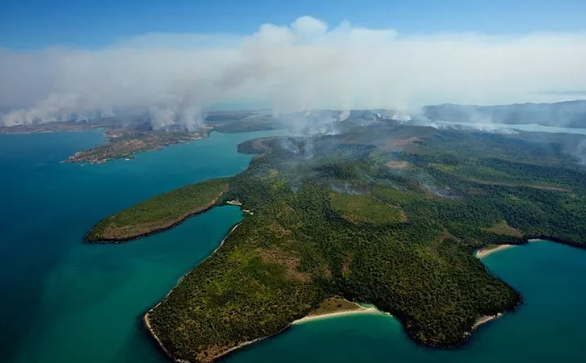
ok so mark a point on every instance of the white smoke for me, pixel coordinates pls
(344, 115)
(305, 65)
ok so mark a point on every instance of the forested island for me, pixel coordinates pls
(388, 215)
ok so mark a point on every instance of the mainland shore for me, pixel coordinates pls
(348, 308)
(343, 307)
(147, 322)
(358, 310)
(483, 252)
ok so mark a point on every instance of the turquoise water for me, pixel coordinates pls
(64, 301)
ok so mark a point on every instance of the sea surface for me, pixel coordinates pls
(63, 301)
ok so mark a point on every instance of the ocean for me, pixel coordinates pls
(64, 301)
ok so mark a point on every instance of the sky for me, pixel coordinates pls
(177, 59)
(89, 23)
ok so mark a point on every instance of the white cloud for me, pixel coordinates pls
(301, 66)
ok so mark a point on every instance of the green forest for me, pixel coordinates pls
(387, 215)
(158, 213)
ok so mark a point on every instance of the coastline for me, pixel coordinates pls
(238, 203)
(358, 310)
(184, 218)
(309, 318)
(485, 319)
(146, 234)
(146, 319)
(486, 251)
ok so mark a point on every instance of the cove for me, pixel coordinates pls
(548, 327)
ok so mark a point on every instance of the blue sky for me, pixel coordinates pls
(30, 24)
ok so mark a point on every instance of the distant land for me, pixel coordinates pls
(381, 213)
(128, 136)
(562, 114)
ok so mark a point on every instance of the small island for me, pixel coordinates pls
(386, 215)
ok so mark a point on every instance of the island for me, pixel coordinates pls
(387, 215)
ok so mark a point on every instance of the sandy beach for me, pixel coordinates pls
(361, 310)
(485, 319)
(483, 252)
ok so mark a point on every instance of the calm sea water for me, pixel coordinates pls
(64, 301)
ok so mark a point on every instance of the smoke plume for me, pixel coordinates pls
(292, 68)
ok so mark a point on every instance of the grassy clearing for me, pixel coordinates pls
(504, 229)
(366, 209)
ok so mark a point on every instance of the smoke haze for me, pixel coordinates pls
(306, 65)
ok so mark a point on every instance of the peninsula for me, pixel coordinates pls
(159, 213)
(386, 215)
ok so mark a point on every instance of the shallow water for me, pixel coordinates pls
(65, 301)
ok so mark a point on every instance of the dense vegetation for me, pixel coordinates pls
(386, 215)
(159, 213)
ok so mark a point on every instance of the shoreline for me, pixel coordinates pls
(238, 203)
(485, 319)
(359, 310)
(306, 319)
(183, 219)
(146, 234)
(146, 319)
(487, 251)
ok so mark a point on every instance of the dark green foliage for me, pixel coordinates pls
(307, 241)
